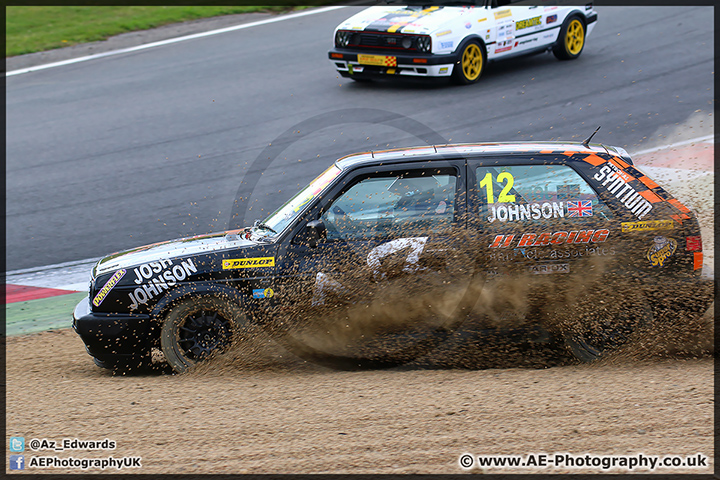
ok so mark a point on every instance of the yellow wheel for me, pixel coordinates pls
(571, 41)
(471, 64)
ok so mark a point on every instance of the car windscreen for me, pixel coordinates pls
(286, 214)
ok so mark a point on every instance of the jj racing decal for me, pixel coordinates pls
(550, 238)
(154, 277)
(108, 286)
(530, 22)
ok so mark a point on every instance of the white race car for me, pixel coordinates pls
(454, 41)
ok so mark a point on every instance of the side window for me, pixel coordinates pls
(393, 204)
(535, 192)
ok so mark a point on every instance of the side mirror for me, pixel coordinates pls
(315, 230)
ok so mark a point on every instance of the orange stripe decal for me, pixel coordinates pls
(594, 160)
(650, 196)
(619, 162)
(675, 203)
(698, 263)
(648, 183)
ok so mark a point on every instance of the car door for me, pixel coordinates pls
(540, 217)
(385, 231)
(518, 28)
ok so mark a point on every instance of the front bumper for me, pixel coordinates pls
(419, 66)
(112, 335)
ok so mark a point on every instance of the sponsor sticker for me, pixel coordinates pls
(549, 268)
(443, 70)
(502, 14)
(256, 262)
(381, 60)
(263, 293)
(108, 286)
(444, 32)
(545, 239)
(530, 22)
(551, 19)
(446, 44)
(647, 225)
(661, 249)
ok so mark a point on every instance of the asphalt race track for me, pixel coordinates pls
(147, 146)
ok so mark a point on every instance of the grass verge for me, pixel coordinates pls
(35, 29)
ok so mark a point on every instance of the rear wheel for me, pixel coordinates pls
(471, 64)
(198, 328)
(605, 328)
(571, 41)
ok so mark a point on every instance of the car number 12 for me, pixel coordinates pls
(504, 197)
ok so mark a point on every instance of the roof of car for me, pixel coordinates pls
(430, 152)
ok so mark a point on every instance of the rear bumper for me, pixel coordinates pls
(112, 335)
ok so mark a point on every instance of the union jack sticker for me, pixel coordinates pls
(582, 208)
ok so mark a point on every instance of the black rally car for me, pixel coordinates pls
(391, 253)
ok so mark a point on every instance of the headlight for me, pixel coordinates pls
(407, 42)
(342, 38)
(424, 44)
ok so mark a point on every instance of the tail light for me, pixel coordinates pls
(693, 244)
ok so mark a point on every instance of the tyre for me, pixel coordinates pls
(471, 64)
(571, 41)
(198, 328)
(604, 329)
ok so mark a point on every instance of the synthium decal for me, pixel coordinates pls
(616, 182)
(661, 249)
(258, 262)
(154, 277)
(528, 211)
(550, 238)
(647, 225)
(530, 22)
(108, 286)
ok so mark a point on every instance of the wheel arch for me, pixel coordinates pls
(463, 43)
(182, 292)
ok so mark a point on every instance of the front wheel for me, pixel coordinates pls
(198, 328)
(471, 64)
(571, 41)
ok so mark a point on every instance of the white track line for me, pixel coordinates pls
(171, 40)
(707, 138)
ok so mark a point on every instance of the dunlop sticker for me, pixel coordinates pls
(108, 286)
(257, 262)
(648, 225)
